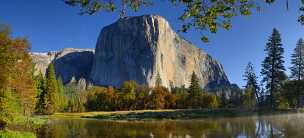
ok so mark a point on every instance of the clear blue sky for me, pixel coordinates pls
(52, 25)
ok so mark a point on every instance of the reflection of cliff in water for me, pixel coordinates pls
(268, 126)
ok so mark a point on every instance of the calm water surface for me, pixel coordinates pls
(276, 126)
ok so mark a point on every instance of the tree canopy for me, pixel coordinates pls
(17, 87)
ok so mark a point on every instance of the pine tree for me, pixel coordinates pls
(297, 71)
(251, 80)
(41, 84)
(61, 99)
(158, 81)
(51, 91)
(195, 88)
(195, 91)
(297, 61)
(272, 66)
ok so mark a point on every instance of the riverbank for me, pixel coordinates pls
(22, 127)
(172, 114)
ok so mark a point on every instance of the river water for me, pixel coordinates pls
(274, 126)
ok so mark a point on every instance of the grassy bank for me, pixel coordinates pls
(22, 127)
(28, 121)
(94, 114)
(169, 114)
(16, 134)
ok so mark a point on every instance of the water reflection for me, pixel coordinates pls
(244, 127)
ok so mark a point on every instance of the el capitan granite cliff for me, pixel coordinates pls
(138, 48)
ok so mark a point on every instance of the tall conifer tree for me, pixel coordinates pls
(158, 81)
(41, 84)
(251, 80)
(272, 66)
(61, 98)
(297, 61)
(195, 92)
(195, 88)
(51, 91)
(297, 70)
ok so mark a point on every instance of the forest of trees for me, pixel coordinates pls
(17, 84)
(276, 90)
(130, 96)
(23, 93)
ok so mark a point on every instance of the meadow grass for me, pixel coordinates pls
(152, 114)
(29, 121)
(171, 114)
(16, 134)
(22, 127)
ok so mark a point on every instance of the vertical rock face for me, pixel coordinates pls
(42, 61)
(74, 63)
(68, 63)
(138, 48)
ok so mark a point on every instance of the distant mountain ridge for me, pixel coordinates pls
(137, 48)
(69, 63)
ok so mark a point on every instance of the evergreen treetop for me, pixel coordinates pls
(250, 76)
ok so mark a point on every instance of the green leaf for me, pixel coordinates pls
(205, 39)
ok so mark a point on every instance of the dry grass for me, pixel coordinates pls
(165, 114)
(91, 114)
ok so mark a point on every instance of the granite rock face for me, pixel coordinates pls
(138, 48)
(68, 63)
(42, 61)
(74, 63)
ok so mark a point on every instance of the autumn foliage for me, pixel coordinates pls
(17, 87)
